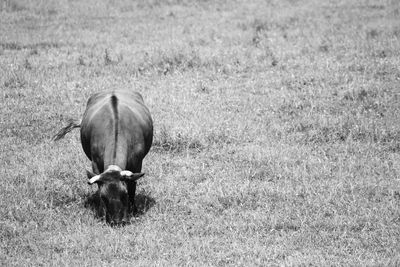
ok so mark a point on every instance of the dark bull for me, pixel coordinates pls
(116, 134)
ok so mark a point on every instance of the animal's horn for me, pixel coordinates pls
(94, 179)
(128, 175)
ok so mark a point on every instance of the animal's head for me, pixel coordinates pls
(113, 191)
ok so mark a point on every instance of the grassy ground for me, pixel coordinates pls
(277, 131)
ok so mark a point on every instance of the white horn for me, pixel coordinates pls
(126, 173)
(130, 176)
(94, 179)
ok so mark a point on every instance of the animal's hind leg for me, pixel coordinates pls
(95, 168)
(131, 192)
(132, 186)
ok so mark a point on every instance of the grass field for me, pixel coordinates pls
(277, 131)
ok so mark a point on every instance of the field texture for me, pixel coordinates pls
(277, 131)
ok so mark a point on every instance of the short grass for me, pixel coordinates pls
(277, 131)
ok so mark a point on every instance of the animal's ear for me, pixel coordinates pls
(130, 176)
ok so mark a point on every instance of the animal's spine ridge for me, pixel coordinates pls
(114, 105)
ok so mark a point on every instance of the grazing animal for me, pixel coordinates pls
(116, 134)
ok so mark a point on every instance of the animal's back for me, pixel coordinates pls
(116, 128)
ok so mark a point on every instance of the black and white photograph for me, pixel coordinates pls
(199, 133)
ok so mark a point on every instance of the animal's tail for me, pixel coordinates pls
(71, 125)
